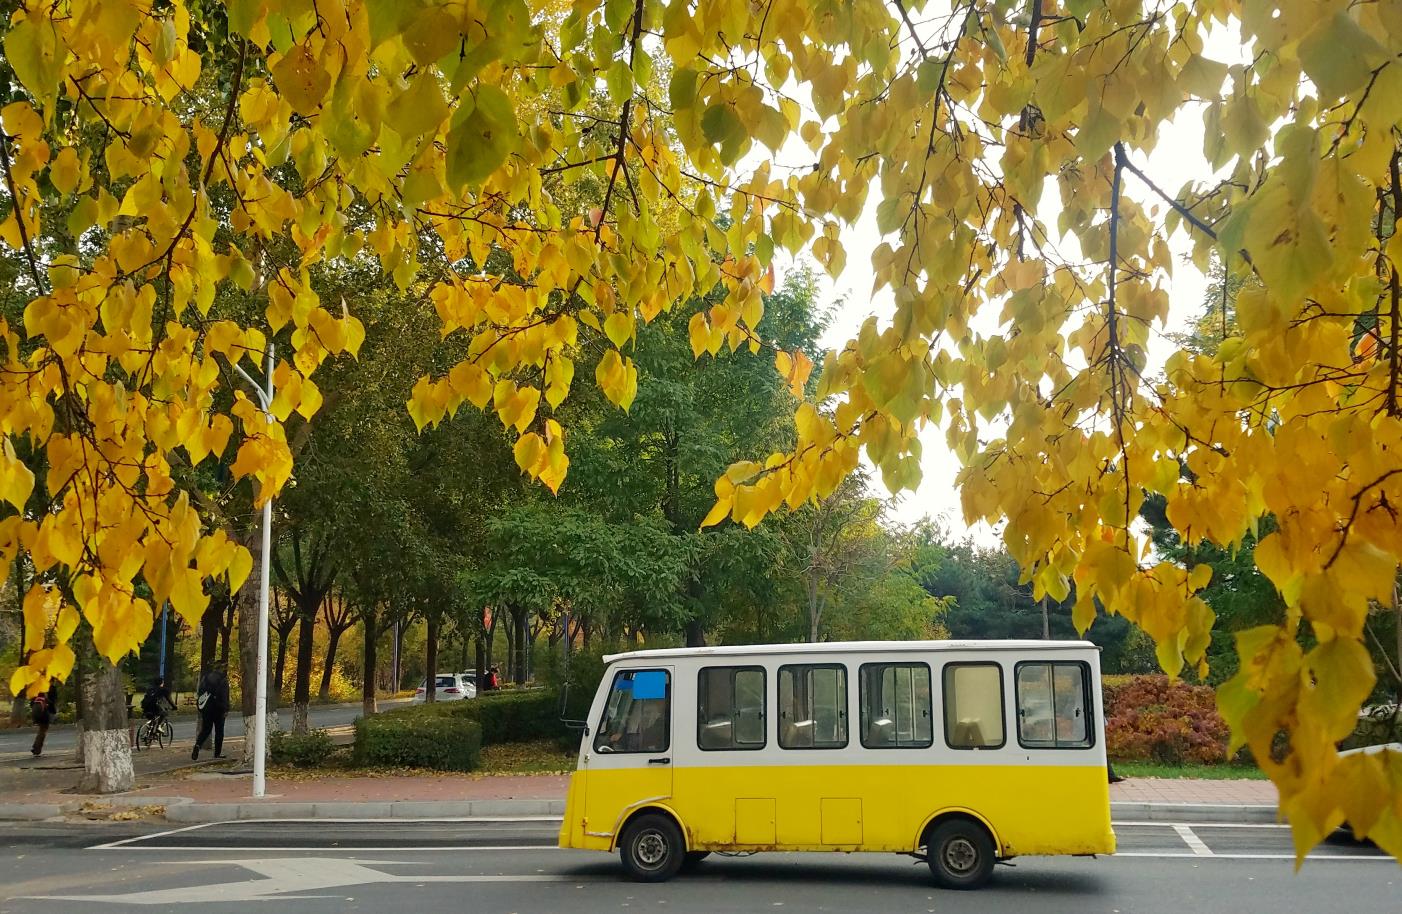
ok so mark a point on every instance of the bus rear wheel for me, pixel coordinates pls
(960, 854)
(652, 848)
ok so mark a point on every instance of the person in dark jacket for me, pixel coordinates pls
(212, 698)
(43, 708)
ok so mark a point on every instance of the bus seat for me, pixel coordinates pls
(715, 735)
(882, 732)
(798, 733)
(968, 732)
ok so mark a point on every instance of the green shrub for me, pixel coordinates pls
(505, 717)
(303, 750)
(419, 738)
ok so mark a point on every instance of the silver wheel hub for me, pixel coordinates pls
(651, 849)
(960, 855)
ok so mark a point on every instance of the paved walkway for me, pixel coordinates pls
(1182, 790)
(213, 791)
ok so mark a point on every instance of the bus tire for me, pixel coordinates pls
(960, 854)
(693, 859)
(652, 848)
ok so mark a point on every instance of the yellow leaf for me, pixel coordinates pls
(239, 568)
(530, 454)
(301, 78)
(699, 333)
(618, 327)
(719, 512)
(16, 479)
(63, 171)
(187, 595)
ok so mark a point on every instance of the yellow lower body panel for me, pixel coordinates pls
(1029, 809)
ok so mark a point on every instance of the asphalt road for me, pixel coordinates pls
(61, 738)
(502, 866)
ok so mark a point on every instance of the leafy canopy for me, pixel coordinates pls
(155, 153)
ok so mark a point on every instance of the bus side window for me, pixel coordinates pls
(895, 704)
(1052, 706)
(730, 707)
(637, 713)
(973, 705)
(813, 706)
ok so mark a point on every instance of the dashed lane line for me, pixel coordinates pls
(1193, 841)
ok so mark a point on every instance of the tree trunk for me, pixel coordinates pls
(106, 750)
(431, 660)
(247, 613)
(695, 633)
(333, 638)
(521, 658)
(226, 629)
(283, 634)
(302, 688)
(481, 664)
(367, 685)
(210, 624)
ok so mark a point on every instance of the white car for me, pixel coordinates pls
(1367, 750)
(448, 687)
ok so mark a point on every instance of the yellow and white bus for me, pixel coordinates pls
(959, 752)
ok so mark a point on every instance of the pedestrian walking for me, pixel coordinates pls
(212, 700)
(43, 708)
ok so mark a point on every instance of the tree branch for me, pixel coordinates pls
(19, 217)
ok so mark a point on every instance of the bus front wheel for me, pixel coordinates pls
(960, 854)
(652, 848)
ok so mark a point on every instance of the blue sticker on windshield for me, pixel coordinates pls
(649, 684)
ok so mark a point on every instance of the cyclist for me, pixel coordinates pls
(156, 701)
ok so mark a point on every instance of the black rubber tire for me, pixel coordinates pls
(693, 859)
(960, 854)
(652, 848)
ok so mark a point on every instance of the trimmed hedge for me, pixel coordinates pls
(1149, 718)
(303, 750)
(505, 717)
(418, 740)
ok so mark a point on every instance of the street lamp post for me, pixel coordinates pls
(260, 710)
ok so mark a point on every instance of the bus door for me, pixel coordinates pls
(630, 758)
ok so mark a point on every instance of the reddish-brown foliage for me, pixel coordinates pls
(1149, 718)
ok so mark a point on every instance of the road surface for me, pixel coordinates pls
(509, 866)
(62, 738)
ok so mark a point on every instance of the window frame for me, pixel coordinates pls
(667, 714)
(1086, 697)
(1002, 705)
(861, 703)
(763, 709)
(842, 711)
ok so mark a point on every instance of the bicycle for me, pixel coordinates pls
(156, 730)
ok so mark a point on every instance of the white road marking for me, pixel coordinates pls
(139, 839)
(283, 877)
(1313, 858)
(1193, 841)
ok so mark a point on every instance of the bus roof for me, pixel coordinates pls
(851, 647)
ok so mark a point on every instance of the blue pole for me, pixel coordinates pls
(163, 640)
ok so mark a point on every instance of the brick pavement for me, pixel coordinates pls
(204, 785)
(1184, 790)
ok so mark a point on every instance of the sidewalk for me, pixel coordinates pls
(207, 795)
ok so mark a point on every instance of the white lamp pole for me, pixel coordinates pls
(260, 711)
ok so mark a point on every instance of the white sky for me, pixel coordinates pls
(1177, 158)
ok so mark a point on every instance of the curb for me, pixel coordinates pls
(185, 810)
(188, 812)
(1215, 813)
